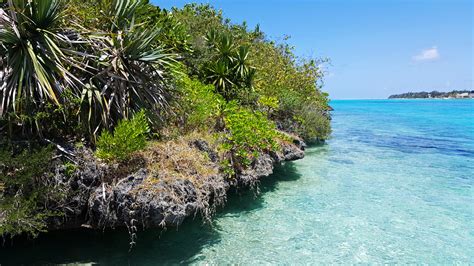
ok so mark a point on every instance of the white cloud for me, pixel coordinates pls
(429, 54)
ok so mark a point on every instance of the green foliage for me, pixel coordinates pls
(268, 103)
(49, 121)
(297, 88)
(130, 68)
(33, 56)
(248, 133)
(228, 68)
(70, 168)
(25, 167)
(81, 66)
(22, 216)
(173, 34)
(128, 137)
(200, 105)
(220, 50)
(25, 193)
(114, 65)
(258, 73)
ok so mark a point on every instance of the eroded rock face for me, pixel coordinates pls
(142, 199)
(292, 152)
(152, 204)
(263, 165)
(78, 185)
(299, 143)
(260, 167)
(203, 146)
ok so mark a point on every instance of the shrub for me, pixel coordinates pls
(128, 137)
(26, 199)
(199, 105)
(33, 55)
(296, 86)
(268, 103)
(248, 133)
(306, 116)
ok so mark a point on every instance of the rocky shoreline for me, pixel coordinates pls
(145, 199)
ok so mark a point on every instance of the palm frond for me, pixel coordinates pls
(131, 69)
(34, 62)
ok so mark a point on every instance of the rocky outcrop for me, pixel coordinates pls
(128, 200)
(150, 200)
(203, 146)
(263, 165)
(292, 152)
(152, 204)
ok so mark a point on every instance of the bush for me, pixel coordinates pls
(199, 105)
(306, 116)
(48, 121)
(248, 133)
(26, 199)
(128, 137)
(312, 124)
(295, 85)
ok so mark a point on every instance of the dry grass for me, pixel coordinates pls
(178, 160)
(183, 174)
(286, 137)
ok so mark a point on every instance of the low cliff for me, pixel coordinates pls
(169, 182)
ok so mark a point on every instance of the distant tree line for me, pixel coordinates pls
(433, 94)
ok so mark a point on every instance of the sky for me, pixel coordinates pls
(376, 47)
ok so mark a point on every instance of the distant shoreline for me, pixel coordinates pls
(456, 94)
(385, 99)
(430, 98)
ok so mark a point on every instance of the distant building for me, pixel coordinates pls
(462, 95)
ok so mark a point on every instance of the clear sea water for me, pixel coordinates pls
(395, 184)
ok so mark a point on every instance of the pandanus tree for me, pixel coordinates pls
(114, 64)
(229, 69)
(129, 67)
(35, 56)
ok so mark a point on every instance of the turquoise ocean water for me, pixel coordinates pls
(395, 184)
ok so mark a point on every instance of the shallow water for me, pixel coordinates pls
(394, 184)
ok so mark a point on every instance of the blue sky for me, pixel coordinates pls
(376, 47)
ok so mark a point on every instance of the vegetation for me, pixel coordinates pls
(128, 137)
(199, 107)
(115, 66)
(115, 74)
(25, 190)
(434, 94)
(248, 134)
